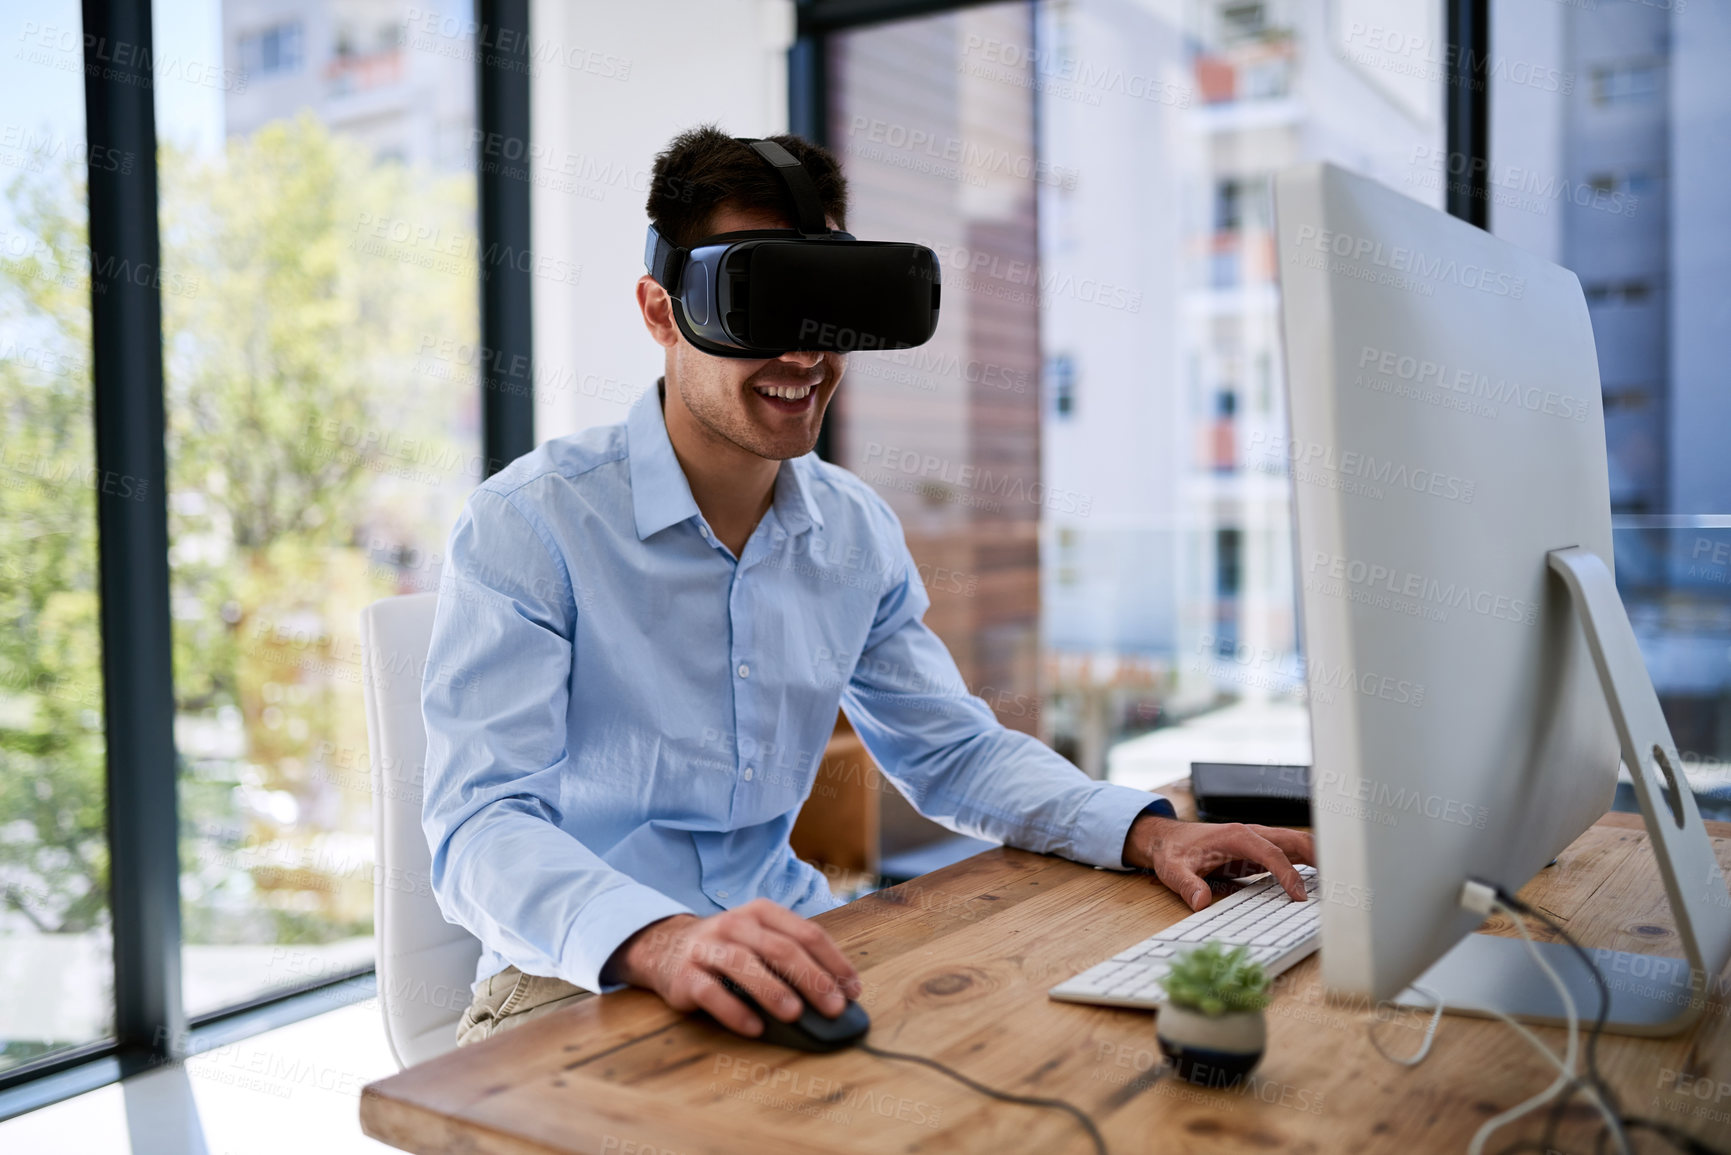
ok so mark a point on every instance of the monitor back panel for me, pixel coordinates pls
(1446, 432)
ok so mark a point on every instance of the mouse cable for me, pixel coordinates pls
(1028, 1100)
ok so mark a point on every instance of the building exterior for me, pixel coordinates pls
(933, 122)
(399, 77)
(1177, 592)
(1620, 178)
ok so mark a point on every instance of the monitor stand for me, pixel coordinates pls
(1650, 995)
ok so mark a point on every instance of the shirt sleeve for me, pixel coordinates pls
(494, 697)
(950, 755)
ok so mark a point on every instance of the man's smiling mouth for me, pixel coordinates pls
(785, 392)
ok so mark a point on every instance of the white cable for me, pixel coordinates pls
(1417, 1056)
(1592, 1093)
(1565, 1066)
(1611, 1120)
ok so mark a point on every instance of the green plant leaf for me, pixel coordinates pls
(1216, 979)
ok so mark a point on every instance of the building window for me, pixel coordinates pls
(1615, 293)
(1228, 206)
(1625, 83)
(1243, 20)
(1222, 436)
(274, 50)
(1227, 558)
(1063, 376)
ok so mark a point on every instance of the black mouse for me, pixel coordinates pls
(813, 1030)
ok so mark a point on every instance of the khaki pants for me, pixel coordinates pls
(510, 999)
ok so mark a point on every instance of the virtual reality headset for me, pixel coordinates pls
(766, 292)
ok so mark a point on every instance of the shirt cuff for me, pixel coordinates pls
(606, 922)
(1106, 820)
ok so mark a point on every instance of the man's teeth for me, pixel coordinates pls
(785, 392)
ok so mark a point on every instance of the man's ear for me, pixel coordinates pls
(657, 309)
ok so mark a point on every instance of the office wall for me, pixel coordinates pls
(612, 84)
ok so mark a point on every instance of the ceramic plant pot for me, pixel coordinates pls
(1211, 1050)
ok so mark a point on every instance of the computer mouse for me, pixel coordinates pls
(812, 1030)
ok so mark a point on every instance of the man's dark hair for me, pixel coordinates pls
(704, 168)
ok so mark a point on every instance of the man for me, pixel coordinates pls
(643, 635)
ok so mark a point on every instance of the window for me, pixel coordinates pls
(1063, 377)
(1242, 21)
(272, 51)
(56, 930)
(1624, 176)
(1625, 83)
(1228, 559)
(1228, 545)
(970, 193)
(323, 431)
(1617, 293)
(1222, 439)
(1165, 519)
(1228, 208)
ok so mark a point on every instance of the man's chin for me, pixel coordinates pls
(783, 448)
(790, 436)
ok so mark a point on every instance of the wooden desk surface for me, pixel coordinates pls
(956, 966)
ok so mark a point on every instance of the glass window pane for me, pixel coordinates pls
(56, 940)
(948, 432)
(1096, 176)
(320, 318)
(1618, 173)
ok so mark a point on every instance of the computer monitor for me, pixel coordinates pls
(1471, 676)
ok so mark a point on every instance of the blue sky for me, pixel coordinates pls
(42, 87)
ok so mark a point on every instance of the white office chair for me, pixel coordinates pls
(425, 964)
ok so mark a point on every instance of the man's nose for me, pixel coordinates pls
(804, 358)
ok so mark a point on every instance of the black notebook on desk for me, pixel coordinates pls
(1251, 792)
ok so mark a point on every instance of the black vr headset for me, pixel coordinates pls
(765, 292)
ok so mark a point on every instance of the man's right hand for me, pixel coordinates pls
(767, 949)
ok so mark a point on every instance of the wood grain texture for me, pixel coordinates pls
(956, 966)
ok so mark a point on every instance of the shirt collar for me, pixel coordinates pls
(793, 503)
(660, 494)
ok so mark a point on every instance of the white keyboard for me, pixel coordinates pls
(1278, 931)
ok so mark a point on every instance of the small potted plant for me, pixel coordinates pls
(1211, 1025)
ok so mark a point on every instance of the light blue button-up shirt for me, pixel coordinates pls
(623, 719)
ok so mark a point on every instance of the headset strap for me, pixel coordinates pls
(807, 205)
(664, 261)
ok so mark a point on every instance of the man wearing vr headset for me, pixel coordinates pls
(655, 622)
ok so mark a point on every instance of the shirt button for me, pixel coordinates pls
(721, 894)
(748, 773)
(744, 670)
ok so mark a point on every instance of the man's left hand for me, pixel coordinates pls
(1184, 853)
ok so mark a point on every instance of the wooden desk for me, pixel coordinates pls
(956, 966)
